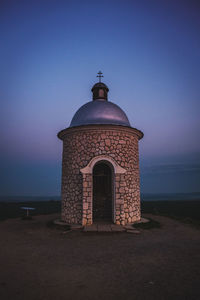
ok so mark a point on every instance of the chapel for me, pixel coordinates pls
(100, 164)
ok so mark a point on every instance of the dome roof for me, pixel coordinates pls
(99, 85)
(100, 112)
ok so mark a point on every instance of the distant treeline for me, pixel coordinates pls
(144, 197)
(170, 196)
(28, 198)
(187, 211)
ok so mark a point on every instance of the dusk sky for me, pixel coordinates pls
(51, 51)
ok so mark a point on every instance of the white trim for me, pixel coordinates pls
(89, 168)
(113, 198)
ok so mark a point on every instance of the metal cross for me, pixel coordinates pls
(100, 75)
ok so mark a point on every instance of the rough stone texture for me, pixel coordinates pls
(80, 145)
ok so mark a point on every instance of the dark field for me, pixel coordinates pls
(187, 211)
(13, 209)
(41, 262)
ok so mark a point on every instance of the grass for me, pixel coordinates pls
(13, 209)
(184, 211)
(27, 218)
(149, 225)
(52, 225)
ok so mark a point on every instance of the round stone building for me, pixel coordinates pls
(100, 164)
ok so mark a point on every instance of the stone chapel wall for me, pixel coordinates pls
(80, 145)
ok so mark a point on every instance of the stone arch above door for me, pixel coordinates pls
(87, 172)
(89, 168)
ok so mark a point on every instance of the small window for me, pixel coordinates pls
(101, 93)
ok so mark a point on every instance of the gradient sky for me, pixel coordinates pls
(149, 52)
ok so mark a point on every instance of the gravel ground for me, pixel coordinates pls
(38, 262)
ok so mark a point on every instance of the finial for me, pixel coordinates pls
(100, 75)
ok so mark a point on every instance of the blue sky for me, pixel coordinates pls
(149, 52)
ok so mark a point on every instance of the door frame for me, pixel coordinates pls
(87, 199)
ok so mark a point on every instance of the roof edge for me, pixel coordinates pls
(61, 134)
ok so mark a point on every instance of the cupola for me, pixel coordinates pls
(100, 90)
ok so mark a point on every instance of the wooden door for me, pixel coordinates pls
(102, 192)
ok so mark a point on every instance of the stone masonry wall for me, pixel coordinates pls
(80, 145)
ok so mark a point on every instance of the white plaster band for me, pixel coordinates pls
(89, 168)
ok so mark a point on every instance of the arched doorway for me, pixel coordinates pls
(102, 192)
(88, 188)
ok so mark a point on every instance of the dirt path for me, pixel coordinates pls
(38, 262)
